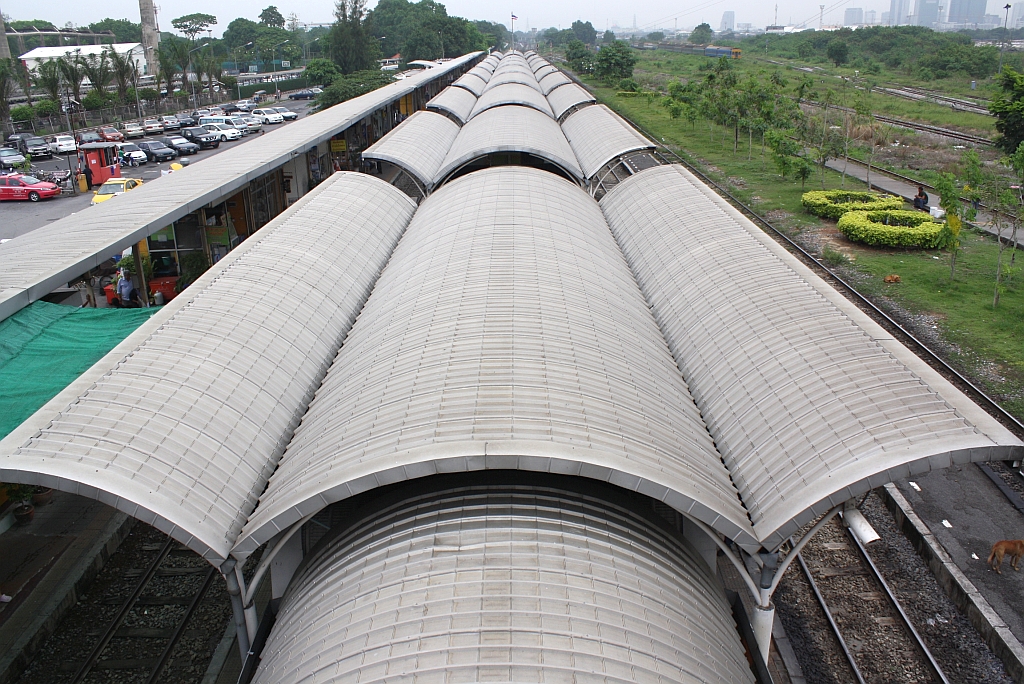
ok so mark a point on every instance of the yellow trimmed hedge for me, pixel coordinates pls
(890, 228)
(834, 203)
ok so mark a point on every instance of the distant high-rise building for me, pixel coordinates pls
(1017, 16)
(870, 17)
(854, 16)
(885, 19)
(927, 13)
(728, 21)
(899, 12)
(968, 11)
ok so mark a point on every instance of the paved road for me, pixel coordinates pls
(18, 218)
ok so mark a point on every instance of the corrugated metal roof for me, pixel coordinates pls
(418, 145)
(481, 72)
(512, 77)
(552, 81)
(458, 101)
(498, 587)
(809, 401)
(510, 129)
(506, 332)
(32, 265)
(598, 135)
(182, 424)
(472, 83)
(565, 98)
(512, 94)
(545, 70)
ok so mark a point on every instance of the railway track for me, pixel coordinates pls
(922, 95)
(915, 126)
(155, 613)
(877, 638)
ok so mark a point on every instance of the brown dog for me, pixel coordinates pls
(1013, 547)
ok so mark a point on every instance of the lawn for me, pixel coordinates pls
(986, 342)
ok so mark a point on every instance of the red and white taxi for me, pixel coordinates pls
(17, 186)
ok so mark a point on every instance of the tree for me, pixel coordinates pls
(321, 71)
(124, 31)
(579, 56)
(702, 35)
(615, 61)
(608, 37)
(656, 37)
(193, 24)
(6, 87)
(73, 74)
(24, 78)
(346, 87)
(1008, 108)
(949, 236)
(124, 70)
(353, 48)
(838, 51)
(272, 17)
(48, 79)
(584, 32)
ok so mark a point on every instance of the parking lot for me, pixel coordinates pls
(18, 218)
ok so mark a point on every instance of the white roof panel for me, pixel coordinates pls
(510, 129)
(598, 135)
(518, 587)
(512, 77)
(545, 70)
(418, 145)
(471, 82)
(809, 401)
(459, 102)
(565, 98)
(512, 94)
(506, 332)
(182, 424)
(552, 81)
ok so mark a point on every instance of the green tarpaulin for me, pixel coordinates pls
(44, 347)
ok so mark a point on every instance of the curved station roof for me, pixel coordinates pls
(733, 384)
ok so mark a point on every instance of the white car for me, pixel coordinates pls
(63, 144)
(268, 116)
(133, 151)
(224, 131)
(286, 114)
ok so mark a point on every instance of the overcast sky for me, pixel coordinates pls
(650, 15)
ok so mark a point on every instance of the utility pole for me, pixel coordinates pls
(821, 17)
(1006, 21)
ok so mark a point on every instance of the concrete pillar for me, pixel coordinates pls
(5, 47)
(150, 35)
(761, 621)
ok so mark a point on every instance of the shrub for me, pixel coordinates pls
(891, 228)
(94, 100)
(834, 203)
(47, 108)
(833, 257)
(22, 113)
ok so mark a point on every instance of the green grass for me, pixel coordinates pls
(989, 341)
(657, 67)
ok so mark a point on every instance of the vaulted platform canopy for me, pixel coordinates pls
(418, 146)
(597, 136)
(458, 102)
(473, 82)
(565, 98)
(512, 93)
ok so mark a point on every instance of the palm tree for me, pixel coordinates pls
(213, 72)
(6, 88)
(71, 70)
(48, 77)
(181, 56)
(123, 68)
(97, 69)
(167, 69)
(24, 78)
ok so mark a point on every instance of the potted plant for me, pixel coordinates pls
(41, 496)
(19, 496)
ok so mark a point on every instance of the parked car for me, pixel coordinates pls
(63, 144)
(157, 151)
(18, 186)
(113, 188)
(14, 140)
(302, 95)
(315, 90)
(245, 105)
(87, 137)
(223, 131)
(199, 113)
(132, 151)
(185, 120)
(34, 146)
(153, 126)
(202, 137)
(239, 123)
(110, 134)
(286, 114)
(9, 158)
(133, 129)
(170, 123)
(180, 145)
(268, 116)
(253, 123)
(216, 110)
(228, 108)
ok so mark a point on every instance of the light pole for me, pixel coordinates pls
(273, 58)
(192, 81)
(238, 81)
(1003, 44)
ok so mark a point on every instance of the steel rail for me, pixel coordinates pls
(937, 670)
(179, 631)
(122, 613)
(831, 621)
